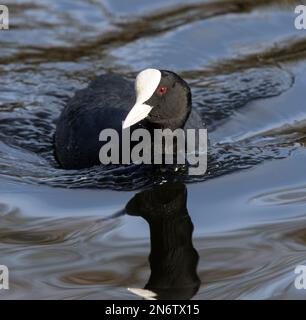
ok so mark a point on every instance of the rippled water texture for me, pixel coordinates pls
(88, 233)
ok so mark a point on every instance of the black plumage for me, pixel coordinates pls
(104, 104)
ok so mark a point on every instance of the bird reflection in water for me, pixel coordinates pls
(173, 259)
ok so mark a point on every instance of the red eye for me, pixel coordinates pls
(162, 90)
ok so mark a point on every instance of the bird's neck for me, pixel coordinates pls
(172, 124)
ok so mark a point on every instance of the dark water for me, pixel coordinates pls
(68, 234)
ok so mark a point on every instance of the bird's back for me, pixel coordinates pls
(103, 104)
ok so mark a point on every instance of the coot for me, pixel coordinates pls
(160, 99)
